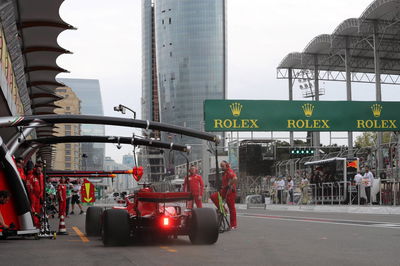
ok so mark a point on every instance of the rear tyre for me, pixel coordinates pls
(93, 221)
(116, 228)
(3, 237)
(203, 226)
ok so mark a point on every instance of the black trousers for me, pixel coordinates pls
(280, 196)
(291, 195)
(368, 192)
(68, 203)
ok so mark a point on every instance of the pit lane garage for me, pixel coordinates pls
(145, 211)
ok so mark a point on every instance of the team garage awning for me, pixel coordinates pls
(39, 25)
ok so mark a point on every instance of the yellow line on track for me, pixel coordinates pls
(169, 249)
(80, 234)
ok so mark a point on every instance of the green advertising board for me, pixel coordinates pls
(258, 115)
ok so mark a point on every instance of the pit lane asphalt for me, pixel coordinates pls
(263, 238)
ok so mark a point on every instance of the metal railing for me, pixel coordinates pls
(384, 192)
(389, 192)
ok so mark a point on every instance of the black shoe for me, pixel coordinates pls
(81, 212)
(72, 212)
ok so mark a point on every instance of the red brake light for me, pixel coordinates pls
(165, 221)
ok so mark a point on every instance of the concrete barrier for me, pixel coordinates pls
(256, 206)
(319, 208)
(337, 209)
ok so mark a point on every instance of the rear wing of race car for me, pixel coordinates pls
(164, 196)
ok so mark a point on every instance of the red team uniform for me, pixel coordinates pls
(62, 199)
(34, 191)
(22, 174)
(42, 187)
(229, 194)
(196, 187)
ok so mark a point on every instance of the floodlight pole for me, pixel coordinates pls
(348, 90)
(316, 134)
(291, 135)
(378, 90)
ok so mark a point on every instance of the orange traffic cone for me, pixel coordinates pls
(62, 230)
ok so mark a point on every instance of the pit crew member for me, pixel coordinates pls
(62, 197)
(75, 197)
(196, 186)
(35, 194)
(20, 168)
(228, 192)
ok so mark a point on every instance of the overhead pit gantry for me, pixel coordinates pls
(11, 180)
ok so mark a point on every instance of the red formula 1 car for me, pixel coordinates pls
(157, 214)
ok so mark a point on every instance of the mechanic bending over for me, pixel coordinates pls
(4, 197)
(196, 186)
(228, 192)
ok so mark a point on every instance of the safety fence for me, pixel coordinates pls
(165, 186)
(368, 156)
(382, 192)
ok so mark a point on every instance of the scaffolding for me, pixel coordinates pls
(364, 49)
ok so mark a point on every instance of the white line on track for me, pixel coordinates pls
(315, 218)
(375, 224)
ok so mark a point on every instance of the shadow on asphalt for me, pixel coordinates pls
(184, 241)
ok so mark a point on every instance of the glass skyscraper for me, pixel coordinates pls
(184, 62)
(88, 91)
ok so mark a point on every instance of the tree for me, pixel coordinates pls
(299, 142)
(368, 139)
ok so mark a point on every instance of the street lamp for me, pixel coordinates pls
(122, 108)
(85, 156)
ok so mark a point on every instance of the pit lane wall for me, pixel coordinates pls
(317, 208)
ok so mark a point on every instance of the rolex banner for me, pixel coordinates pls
(254, 115)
